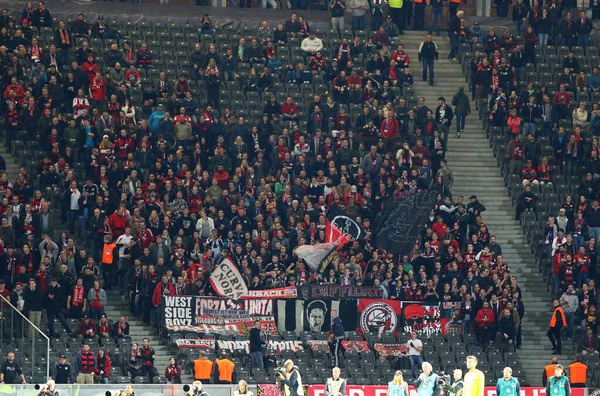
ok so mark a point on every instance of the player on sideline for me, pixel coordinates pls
(508, 385)
(474, 379)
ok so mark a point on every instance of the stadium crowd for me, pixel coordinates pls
(159, 175)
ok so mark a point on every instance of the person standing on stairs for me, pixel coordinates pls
(444, 116)
(557, 322)
(454, 33)
(428, 54)
(462, 108)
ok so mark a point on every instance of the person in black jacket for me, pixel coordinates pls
(337, 329)
(34, 303)
(567, 31)
(584, 28)
(256, 346)
(505, 331)
(63, 371)
(454, 34)
(55, 299)
(428, 53)
(213, 83)
(41, 16)
(520, 15)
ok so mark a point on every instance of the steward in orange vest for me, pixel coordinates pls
(224, 369)
(577, 373)
(549, 370)
(557, 322)
(203, 368)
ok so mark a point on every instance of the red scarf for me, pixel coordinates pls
(64, 36)
(78, 295)
(96, 303)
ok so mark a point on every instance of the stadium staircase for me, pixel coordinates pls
(117, 306)
(476, 172)
(12, 163)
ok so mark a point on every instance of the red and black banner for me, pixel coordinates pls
(378, 316)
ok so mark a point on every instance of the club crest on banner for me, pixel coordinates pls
(378, 318)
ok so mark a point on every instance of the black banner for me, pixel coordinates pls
(337, 292)
(399, 228)
(317, 315)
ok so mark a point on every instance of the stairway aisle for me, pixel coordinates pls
(476, 172)
(118, 306)
(12, 163)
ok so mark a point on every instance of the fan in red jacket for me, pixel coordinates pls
(15, 92)
(118, 222)
(389, 127)
(164, 288)
(485, 320)
(401, 57)
(90, 67)
(124, 145)
(98, 88)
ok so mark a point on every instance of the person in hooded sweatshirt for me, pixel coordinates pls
(462, 108)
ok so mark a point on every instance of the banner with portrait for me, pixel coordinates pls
(317, 315)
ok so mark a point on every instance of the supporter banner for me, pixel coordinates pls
(398, 229)
(215, 314)
(233, 328)
(337, 292)
(422, 318)
(196, 343)
(381, 390)
(341, 229)
(319, 345)
(317, 315)
(451, 311)
(227, 281)
(395, 350)
(281, 292)
(355, 346)
(270, 346)
(178, 310)
(318, 256)
(378, 316)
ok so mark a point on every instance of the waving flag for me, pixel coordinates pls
(227, 281)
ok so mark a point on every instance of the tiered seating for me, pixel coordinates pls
(365, 368)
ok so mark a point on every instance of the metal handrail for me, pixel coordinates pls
(32, 341)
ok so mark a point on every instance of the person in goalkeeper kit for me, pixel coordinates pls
(456, 388)
(335, 386)
(474, 379)
(508, 385)
(558, 385)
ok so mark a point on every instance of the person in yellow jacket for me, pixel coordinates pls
(474, 381)
(557, 322)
